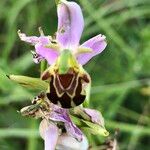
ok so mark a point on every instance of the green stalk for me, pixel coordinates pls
(18, 132)
(32, 141)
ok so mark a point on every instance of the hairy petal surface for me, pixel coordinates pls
(97, 44)
(70, 24)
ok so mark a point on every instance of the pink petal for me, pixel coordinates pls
(47, 53)
(40, 44)
(29, 39)
(49, 133)
(97, 44)
(96, 116)
(70, 24)
(51, 136)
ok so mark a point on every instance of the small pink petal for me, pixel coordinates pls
(97, 44)
(29, 39)
(40, 44)
(47, 53)
(96, 116)
(70, 24)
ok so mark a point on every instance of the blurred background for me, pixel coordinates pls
(120, 75)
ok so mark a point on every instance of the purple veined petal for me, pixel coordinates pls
(70, 24)
(50, 134)
(97, 44)
(73, 131)
(47, 53)
(60, 114)
(96, 116)
(58, 109)
(66, 142)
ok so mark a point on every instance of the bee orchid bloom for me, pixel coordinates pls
(73, 138)
(68, 80)
(61, 115)
(51, 132)
(70, 28)
(53, 140)
(58, 126)
(65, 83)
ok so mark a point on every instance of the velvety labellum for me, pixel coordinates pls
(67, 90)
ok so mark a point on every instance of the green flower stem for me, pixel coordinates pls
(18, 132)
(32, 141)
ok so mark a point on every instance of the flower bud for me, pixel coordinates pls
(29, 82)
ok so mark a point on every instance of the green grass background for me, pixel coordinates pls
(120, 75)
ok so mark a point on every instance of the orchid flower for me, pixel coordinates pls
(69, 82)
(65, 83)
(57, 128)
(53, 135)
(52, 138)
(70, 28)
(73, 138)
